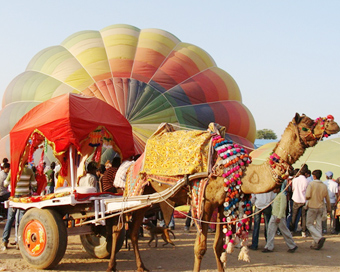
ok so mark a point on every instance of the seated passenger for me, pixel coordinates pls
(100, 173)
(109, 177)
(90, 179)
(119, 181)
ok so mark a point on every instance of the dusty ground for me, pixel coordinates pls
(181, 257)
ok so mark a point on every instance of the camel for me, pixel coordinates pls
(302, 132)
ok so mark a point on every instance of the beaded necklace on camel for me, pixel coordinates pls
(237, 205)
(279, 168)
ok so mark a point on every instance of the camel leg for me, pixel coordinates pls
(201, 239)
(137, 220)
(116, 228)
(218, 242)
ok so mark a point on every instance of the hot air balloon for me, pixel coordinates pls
(148, 75)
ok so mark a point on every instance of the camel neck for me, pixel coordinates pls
(289, 148)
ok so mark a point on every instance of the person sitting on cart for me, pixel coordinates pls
(100, 173)
(109, 177)
(90, 179)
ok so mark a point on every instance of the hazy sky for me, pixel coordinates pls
(284, 55)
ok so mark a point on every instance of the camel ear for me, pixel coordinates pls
(297, 118)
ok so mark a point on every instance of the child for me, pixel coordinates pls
(278, 220)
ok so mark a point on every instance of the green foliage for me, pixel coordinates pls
(266, 134)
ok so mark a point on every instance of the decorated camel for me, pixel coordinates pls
(220, 178)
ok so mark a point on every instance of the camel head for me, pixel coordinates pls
(305, 126)
(310, 131)
(325, 126)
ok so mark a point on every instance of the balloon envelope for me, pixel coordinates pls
(148, 75)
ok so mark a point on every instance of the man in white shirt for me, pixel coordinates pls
(120, 178)
(262, 203)
(299, 187)
(333, 192)
(90, 179)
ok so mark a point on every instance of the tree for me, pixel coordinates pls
(266, 134)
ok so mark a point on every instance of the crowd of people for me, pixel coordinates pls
(300, 205)
(108, 177)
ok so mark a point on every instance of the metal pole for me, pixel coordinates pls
(71, 168)
(96, 211)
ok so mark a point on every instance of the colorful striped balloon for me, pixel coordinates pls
(149, 75)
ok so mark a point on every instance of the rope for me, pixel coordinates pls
(147, 200)
(248, 216)
(297, 174)
(121, 213)
(125, 199)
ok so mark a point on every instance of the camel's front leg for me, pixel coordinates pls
(218, 242)
(137, 220)
(201, 238)
(200, 246)
(116, 228)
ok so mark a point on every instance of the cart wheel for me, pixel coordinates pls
(43, 238)
(100, 247)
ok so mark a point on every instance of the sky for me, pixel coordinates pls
(284, 55)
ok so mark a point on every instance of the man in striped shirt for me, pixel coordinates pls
(109, 177)
(24, 186)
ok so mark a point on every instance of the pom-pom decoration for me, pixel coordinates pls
(237, 205)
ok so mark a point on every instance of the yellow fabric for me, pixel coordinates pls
(183, 208)
(60, 181)
(177, 153)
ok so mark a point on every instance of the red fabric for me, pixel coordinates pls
(67, 120)
(40, 176)
(42, 182)
(64, 166)
(36, 140)
(178, 214)
(98, 153)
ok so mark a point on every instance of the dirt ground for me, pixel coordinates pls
(181, 257)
